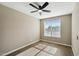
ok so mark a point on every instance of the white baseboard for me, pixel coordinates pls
(55, 42)
(73, 50)
(19, 48)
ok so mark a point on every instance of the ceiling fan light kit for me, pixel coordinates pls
(40, 8)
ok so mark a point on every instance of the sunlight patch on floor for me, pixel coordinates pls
(51, 50)
(29, 52)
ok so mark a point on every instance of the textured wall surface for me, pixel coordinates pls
(16, 29)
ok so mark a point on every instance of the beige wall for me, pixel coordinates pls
(75, 29)
(65, 31)
(16, 29)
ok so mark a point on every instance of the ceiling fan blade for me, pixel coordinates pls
(44, 5)
(33, 6)
(38, 5)
(46, 10)
(34, 11)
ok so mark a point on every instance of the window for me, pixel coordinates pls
(52, 27)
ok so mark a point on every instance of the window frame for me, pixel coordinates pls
(51, 25)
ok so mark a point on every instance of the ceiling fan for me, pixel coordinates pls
(39, 8)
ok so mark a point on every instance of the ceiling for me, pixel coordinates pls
(57, 8)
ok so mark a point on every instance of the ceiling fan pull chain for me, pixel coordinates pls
(40, 13)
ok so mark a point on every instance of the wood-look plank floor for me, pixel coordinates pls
(44, 49)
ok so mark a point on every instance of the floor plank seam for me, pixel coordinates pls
(39, 51)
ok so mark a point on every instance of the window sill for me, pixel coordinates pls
(53, 37)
